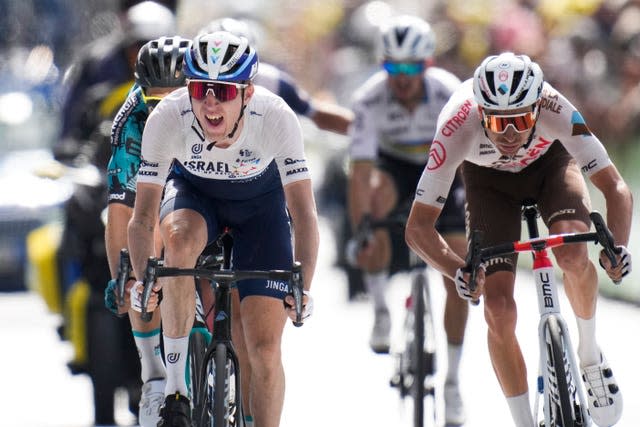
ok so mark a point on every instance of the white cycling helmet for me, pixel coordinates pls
(149, 20)
(407, 38)
(507, 82)
(234, 26)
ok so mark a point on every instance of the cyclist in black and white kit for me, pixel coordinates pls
(232, 155)
(395, 122)
(158, 71)
(517, 138)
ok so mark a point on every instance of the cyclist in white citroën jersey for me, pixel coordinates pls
(517, 138)
(232, 155)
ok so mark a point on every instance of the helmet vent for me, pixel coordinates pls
(517, 76)
(490, 82)
(401, 33)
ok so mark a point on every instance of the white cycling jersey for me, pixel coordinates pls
(460, 136)
(383, 125)
(271, 132)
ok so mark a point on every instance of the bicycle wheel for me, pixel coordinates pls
(224, 404)
(198, 341)
(421, 357)
(560, 396)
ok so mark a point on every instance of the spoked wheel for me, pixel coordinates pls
(198, 342)
(561, 396)
(224, 403)
(423, 352)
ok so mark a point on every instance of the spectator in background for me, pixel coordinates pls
(103, 75)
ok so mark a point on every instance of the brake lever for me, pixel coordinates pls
(605, 238)
(473, 260)
(150, 276)
(297, 286)
(124, 272)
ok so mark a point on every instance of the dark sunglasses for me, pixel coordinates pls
(407, 68)
(223, 92)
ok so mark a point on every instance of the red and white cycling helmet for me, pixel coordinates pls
(407, 38)
(507, 82)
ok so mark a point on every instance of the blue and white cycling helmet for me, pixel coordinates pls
(507, 82)
(221, 56)
(407, 38)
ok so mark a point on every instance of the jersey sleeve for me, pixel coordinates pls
(288, 143)
(577, 138)
(126, 138)
(161, 141)
(363, 132)
(448, 150)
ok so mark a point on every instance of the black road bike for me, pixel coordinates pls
(213, 367)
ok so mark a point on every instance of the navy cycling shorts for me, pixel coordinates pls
(260, 228)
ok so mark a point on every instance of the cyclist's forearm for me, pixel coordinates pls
(307, 241)
(359, 191)
(115, 236)
(428, 244)
(141, 244)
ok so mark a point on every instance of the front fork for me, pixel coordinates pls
(548, 304)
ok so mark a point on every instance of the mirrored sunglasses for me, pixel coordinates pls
(407, 68)
(499, 123)
(223, 92)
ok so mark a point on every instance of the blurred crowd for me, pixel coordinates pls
(589, 49)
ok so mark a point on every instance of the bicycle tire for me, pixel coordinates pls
(195, 366)
(224, 411)
(418, 355)
(556, 356)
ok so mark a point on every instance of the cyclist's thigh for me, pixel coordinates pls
(491, 210)
(262, 241)
(564, 194)
(404, 177)
(180, 194)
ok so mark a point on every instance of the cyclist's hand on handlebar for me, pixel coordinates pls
(136, 297)
(462, 284)
(624, 264)
(307, 306)
(110, 297)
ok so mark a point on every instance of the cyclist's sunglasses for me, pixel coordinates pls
(407, 68)
(499, 123)
(198, 90)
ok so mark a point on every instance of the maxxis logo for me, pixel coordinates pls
(173, 357)
(437, 155)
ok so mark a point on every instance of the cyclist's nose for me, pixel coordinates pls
(510, 133)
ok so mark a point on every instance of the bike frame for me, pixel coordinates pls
(548, 306)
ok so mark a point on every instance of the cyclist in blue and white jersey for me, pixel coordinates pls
(517, 138)
(232, 155)
(324, 115)
(158, 71)
(395, 122)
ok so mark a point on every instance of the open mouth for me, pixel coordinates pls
(214, 119)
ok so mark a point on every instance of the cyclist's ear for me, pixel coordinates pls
(248, 92)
